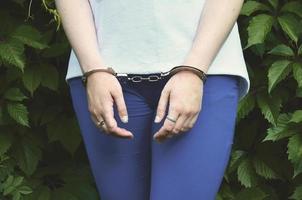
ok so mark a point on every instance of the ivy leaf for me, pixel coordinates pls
(296, 117)
(293, 7)
(281, 130)
(277, 72)
(71, 139)
(245, 106)
(50, 77)
(269, 107)
(263, 169)
(250, 7)
(246, 174)
(14, 94)
(297, 195)
(290, 26)
(12, 52)
(294, 151)
(29, 35)
(258, 29)
(236, 157)
(18, 112)
(27, 155)
(274, 3)
(282, 50)
(300, 50)
(32, 79)
(297, 73)
(5, 142)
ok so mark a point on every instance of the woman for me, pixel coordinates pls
(183, 152)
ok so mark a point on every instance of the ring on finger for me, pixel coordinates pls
(101, 125)
(171, 119)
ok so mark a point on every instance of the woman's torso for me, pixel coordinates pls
(138, 36)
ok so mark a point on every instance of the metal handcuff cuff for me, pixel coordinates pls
(138, 78)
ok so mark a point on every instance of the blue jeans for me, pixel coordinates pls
(187, 166)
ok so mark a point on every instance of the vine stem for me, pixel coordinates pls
(29, 8)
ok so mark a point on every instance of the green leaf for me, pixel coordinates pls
(291, 26)
(25, 189)
(258, 29)
(14, 94)
(250, 7)
(300, 50)
(293, 7)
(50, 77)
(12, 53)
(18, 112)
(263, 169)
(297, 73)
(277, 72)
(70, 139)
(16, 196)
(281, 130)
(27, 155)
(294, 151)
(5, 142)
(296, 117)
(269, 107)
(32, 79)
(246, 174)
(282, 50)
(8, 182)
(18, 180)
(235, 160)
(274, 3)
(245, 106)
(297, 195)
(29, 35)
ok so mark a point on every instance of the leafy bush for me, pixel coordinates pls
(40, 160)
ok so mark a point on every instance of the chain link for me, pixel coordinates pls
(139, 78)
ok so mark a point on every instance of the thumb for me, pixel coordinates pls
(121, 107)
(161, 107)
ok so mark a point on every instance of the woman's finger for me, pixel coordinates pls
(169, 123)
(179, 124)
(96, 120)
(189, 123)
(121, 105)
(192, 121)
(162, 104)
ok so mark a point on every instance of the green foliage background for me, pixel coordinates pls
(40, 160)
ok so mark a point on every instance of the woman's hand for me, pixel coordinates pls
(102, 90)
(184, 92)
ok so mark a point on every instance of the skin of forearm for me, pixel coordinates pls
(77, 21)
(216, 21)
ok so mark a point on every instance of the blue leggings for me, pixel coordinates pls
(187, 166)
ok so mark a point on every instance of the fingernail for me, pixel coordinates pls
(125, 119)
(157, 119)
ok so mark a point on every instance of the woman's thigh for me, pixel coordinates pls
(191, 165)
(121, 167)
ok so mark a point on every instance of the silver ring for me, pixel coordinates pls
(100, 123)
(173, 120)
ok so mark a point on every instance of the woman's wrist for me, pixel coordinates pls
(92, 64)
(194, 59)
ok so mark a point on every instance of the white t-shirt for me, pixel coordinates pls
(139, 36)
